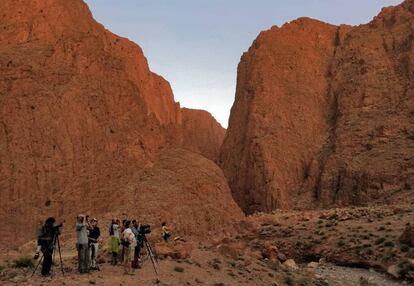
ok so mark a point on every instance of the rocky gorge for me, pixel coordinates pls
(316, 166)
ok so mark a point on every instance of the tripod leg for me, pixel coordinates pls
(52, 268)
(152, 252)
(37, 266)
(151, 255)
(60, 256)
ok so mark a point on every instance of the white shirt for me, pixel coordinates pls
(129, 235)
(115, 229)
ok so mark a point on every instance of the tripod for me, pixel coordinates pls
(151, 255)
(55, 243)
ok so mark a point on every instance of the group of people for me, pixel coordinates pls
(127, 239)
(87, 235)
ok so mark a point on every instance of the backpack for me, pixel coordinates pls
(125, 242)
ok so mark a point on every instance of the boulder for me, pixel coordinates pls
(291, 264)
(394, 271)
(311, 267)
(407, 237)
(281, 257)
(269, 251)
(178, 250)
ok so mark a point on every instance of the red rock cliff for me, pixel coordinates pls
(81, 115)
(202, 133)
(323, 114)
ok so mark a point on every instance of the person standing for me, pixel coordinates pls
(165, 232)
(94, 235)
(38, 235)
(135, 231)
(121, 231)
(82, 244)
(46, 241)
(129, 244)
(115, 241)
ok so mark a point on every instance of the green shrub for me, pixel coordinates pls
(305, 281)
(369, 251)
(341, 243)
(178, 269)
(389, 244)
(380, 240)
(411, 254)
(405, 267)
(24, 262)
(321, 282)
(289, 280)
(216, 266)
(404, 248)
(11, 274)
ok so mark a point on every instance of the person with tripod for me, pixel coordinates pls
(135, 230)
(46, 239)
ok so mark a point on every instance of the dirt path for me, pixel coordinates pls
(356, 276)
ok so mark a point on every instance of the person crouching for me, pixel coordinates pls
(82, 244)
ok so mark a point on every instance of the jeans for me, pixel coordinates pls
(83, 257)
(93, 254)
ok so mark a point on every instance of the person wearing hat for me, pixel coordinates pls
(82, 244)
(46, 238)
(94, 234)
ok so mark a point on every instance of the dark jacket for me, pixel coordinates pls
(94, 234)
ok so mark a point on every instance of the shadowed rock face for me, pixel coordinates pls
(81, 115)
(202, 133)
(323, 115)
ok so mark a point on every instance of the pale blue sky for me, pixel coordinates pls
(196, 44)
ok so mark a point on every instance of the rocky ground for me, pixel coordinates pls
(205, 267)
(349, 246)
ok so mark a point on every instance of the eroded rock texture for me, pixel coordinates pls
(324, 114)
(81, 116)
(202, 133)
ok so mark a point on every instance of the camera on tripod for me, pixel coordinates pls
(56, 228)
(144, 229)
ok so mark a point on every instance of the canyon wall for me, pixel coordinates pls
(202, 133)
(82, 117)
(323, 114)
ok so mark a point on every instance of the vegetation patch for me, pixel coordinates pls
(23, 262)
(178, 269)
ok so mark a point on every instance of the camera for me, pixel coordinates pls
(56, 228)
(145, 229)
